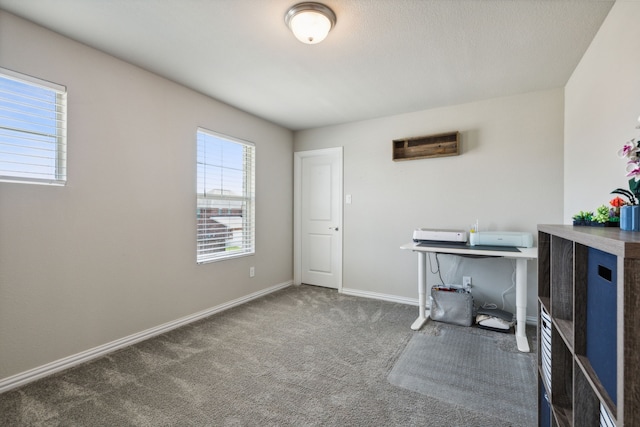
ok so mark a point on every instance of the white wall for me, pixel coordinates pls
(113, 252)
(602, 106)
(509, 176)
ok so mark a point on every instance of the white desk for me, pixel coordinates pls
(521, 257)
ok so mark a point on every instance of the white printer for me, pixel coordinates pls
(430, 235)
(501, 238)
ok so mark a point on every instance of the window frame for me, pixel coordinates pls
(246, 199)
(23, 134)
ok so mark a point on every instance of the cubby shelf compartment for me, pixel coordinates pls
(587, 404)
(561, 379)
(572, 262)
(594, 385)
(424, 147)
(561, 279)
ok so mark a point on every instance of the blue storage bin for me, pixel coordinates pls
(601, 318)
(544, 414)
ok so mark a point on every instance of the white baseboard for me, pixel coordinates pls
(23, 378)
(531, 320)
(383, 297)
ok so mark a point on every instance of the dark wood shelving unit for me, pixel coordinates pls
(579, 390)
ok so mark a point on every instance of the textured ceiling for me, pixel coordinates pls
(383, 57)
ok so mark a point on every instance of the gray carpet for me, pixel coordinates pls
(303, 356)
(470, 367)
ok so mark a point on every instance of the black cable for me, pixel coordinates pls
(437, 265)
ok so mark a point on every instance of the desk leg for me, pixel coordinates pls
(422, 291)
(521, 305)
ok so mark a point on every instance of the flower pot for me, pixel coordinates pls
(625, 218)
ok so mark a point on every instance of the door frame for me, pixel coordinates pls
(297, 209)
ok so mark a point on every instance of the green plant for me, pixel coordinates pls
(601, 215)
(583, 216)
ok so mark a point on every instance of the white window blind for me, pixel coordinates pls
(225, 197)
(33, 117)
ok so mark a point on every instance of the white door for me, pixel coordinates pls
(318, 217)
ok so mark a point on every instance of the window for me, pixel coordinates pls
(33, 117)
(225, 197)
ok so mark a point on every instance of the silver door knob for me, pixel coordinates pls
(333, 228)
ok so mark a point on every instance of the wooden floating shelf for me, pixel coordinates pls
(424, 147)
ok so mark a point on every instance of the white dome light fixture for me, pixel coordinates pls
(310, 22)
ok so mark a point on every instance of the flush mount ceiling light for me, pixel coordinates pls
(310, 22)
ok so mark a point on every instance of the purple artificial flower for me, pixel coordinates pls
(630, 150)
(633, 170)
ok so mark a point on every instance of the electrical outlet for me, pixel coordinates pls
(466, 281)
(252, 271)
